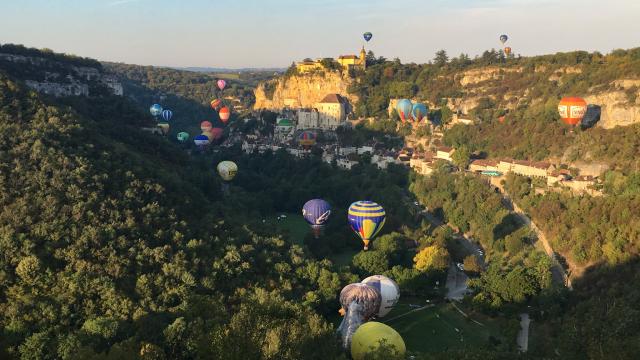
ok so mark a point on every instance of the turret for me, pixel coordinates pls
(363, 58)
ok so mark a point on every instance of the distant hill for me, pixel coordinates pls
(231, 70)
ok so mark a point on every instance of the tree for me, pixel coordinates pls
(371, 262)
(461, 157)
(432, 258)
(441, 58)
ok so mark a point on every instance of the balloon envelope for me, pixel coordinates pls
(221, 84)
(155, 110)
(367, 36)
(404, 107)
(503, 38)
(419, 111)
(389, 292)
(224, 114)
(307, 138)
(164, 126)
(507, 50)
(205, 126)
(227, 170)
(167, 115)
(216, 133)
(316, 211)
(201, 140)
(572, 109)
(366, 219)
(365, 295)
(182, 136)
(368, 337)
(215, 104)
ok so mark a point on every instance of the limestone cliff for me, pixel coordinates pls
(619, 107)
(301, 90)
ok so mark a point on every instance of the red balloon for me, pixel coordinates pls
(205, 126)
(216, 133)
(572, 109)
(224, 113)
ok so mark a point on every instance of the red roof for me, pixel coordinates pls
(333, 99)
(446, 149)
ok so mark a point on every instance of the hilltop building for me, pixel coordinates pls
(327, 114)
(347, 62)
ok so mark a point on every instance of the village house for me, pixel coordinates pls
(480, 165)
(328, 114)
(346, 163)
(423, 164)
(382, 161)
(444, 152)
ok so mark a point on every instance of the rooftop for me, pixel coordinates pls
(332, 99)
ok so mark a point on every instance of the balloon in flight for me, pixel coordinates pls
(164, 126)
(367, 36)
(216, 133)
(365, 295)
(503, 38)
(404, 107)
(215, 104)
(221, 84)
(224, 114)
(307, 139)
(227, 170)
(369, 336)
(201, 140)
(182, 136)
(419, 111)
(389, 292)
(316, 212)
(366, 219)
(572, 110)
(205, 125)
(155, 110)
(507, 50)
(167, 115)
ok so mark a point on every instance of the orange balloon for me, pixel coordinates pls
(572, 109)
(205, 126)
(215, 104)
(224, 113)
(507, 50)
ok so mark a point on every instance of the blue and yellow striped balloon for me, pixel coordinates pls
(366, 219)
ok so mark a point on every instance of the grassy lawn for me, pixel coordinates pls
(294, 224)
(434, 329)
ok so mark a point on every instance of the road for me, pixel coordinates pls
(456, 283)
(523, 334)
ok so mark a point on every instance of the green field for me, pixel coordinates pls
(294, 224)
(434, 329)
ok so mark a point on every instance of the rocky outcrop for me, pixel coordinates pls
(618, 108)
(475, 76)
(301, 91)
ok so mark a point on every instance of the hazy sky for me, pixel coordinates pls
(273, 33)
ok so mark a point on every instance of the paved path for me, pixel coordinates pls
(456, 283)
(523, 335)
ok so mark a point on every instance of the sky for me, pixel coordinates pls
(274, 33)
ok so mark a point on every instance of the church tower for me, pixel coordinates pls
(363, 58)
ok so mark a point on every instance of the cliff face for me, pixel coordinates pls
(619, 107)
(301, 90)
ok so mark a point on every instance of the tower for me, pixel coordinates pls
(363, 58)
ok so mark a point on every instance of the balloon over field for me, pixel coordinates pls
(224, 114)
(366, 219)
(205, 126)
(404, 107)
(572, 109)
(307, 139)
(201, 140)
(221, 84)
(182, 136)
(367, 36)
(503, 38)
(419, 111)
(369, 336)
(358, 303)
(316, 212)
(227, 170)
(167, 115)
(507, 51)
(215, 104)
(164, 126)
(389, 292)
(155, 110)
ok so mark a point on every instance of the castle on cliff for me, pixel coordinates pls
(348, 62)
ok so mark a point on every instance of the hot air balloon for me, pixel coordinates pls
(216, 133)
(369, 336)
(201, 140)
(164, 126)
(507, 50)
(419, 111)
(359, 302)
(307, 139)
(404, 107)
(155, 110)
(572, 109)
(221, 84)
(367, 36)
(182, 136)
(167, 115)
(227, 170)
(215, 104)
(389, 292)
(366, 219)
(205, 126)
(503, 38)
(224, 114)
(316, 212)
